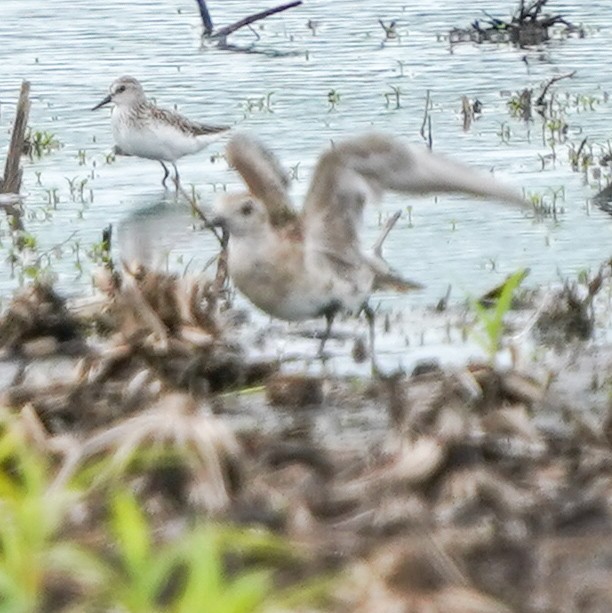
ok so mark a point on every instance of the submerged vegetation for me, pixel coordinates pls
(39, 143)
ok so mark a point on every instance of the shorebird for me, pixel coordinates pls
(142, 129)
(297, 266)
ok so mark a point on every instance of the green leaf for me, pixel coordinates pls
(247, 593)
(131, 530)
(492, 320)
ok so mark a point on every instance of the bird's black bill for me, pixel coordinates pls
(216, 222)
(105, 101)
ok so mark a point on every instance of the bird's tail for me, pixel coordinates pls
(387, 278)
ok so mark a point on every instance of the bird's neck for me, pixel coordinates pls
(137, 108)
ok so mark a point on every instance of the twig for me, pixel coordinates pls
(377, 248)
(426, 121)
(582, 144)
(223, 238)
(443, 302)
(199, 213)
(223, 33)
(222, 270)
(540, 101)
(45, 254)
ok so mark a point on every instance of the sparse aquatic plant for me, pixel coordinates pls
(504, 132)
(261, 104)
(294, 172)
(38, 143)
(77, 187)
(519, 104)
(547, 204)
(490, 320)
(557, 129)
(581, 158)
(53, 196)
(394, 96)
(333, 98)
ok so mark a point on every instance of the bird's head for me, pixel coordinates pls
(241, 214)
(124, 91)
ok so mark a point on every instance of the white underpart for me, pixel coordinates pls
(154, 139)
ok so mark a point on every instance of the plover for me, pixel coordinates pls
(142, 129)
(297, 266)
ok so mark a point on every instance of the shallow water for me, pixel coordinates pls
(71, 52)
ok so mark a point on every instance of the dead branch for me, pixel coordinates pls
(199, 213)
(222, 33)
(541, 98)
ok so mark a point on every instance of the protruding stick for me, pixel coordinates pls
(11, 182)
(385, 232)
(227, 30)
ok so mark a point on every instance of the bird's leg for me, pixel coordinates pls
(166, 173)
(329, 320)
(176, 176)
(370, 316)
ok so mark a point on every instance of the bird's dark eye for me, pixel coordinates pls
(247, 209)
(121, 89)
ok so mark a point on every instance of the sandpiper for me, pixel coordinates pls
(142, 129)
(302, 266)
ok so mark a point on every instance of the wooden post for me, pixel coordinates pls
(12, 169)
(11, 182)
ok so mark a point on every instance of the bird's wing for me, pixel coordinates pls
(263, 174)
(363, 168)
(186, 125)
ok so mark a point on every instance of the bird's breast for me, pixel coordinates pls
(273, 277)
(146, 136)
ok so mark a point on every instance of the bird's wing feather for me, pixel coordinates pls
(361, 169)
(266, 179)
(186, 125)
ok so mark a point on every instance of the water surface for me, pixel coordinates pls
(72, 51)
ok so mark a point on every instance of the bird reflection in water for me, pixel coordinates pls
(147, 235)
